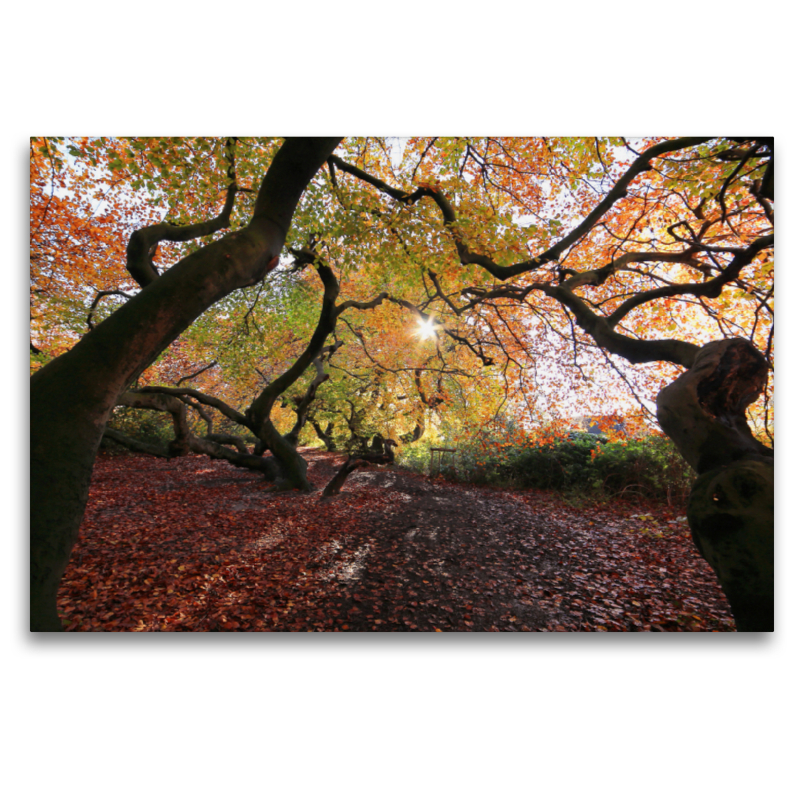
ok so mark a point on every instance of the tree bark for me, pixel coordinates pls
(228, 438)
(731, 514)
(72, 397)
(731, 506)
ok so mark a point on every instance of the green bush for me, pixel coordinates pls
(146, 425)
(651, 467)
(580, 462)
(415, 456)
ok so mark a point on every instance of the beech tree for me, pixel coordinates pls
(467, 270)
(73, 395)
(716, 224)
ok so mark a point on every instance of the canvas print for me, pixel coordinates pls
(401, 384)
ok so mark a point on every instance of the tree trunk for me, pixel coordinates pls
(73, 396)
(325, 434)
(337, 481)
(293, 467)
(731, 506)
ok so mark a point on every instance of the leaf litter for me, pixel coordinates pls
(192, 544)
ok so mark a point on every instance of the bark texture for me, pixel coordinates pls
(731, 506)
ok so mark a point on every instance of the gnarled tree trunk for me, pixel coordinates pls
(337, 481)
(731, 506)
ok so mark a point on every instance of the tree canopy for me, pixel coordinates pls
(543, 267)
(378, 286)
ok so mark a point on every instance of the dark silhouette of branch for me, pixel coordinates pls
(144, 242)
(99, 296)
(195, 374)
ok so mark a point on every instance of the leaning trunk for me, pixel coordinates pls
(337, 481)
(292, 466)
(731, 506)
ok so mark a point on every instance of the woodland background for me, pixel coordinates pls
(464, 717)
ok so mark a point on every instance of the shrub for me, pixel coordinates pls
(415, 456)
(146, 425)
(651, 467)
(579, 462)
(565, 464)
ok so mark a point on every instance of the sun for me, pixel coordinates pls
(427, 330)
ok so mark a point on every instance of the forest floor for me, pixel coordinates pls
(193, 544)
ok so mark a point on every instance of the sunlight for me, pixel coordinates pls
(427, 330)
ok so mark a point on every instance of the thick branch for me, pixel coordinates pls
(199, 372)
(703, 411)
(336, 483)
(202, 413)
(289, 174)
(144, 242)
(261, 407)
(397, 194)
(597, 277)
(98, 297)
(637, 351)
(711, 288)
(185, 440)
(169, 405)
(231, 413)
(227, 438)
(362, 305)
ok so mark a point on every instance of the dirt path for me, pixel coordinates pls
(193, 544)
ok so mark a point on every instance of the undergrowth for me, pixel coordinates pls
(576, 465)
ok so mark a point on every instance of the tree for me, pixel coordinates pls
(73, 395)
(622, 246)
(699, 230)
